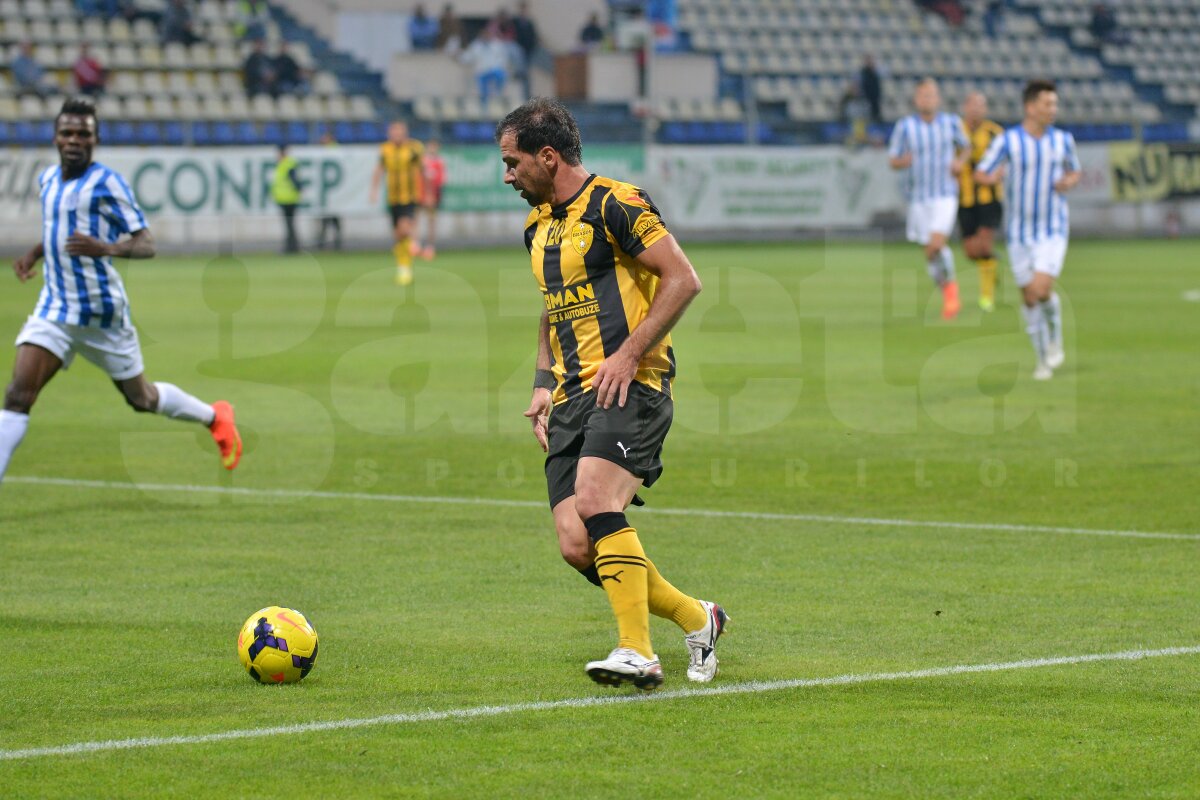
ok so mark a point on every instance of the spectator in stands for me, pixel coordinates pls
(527, 44)
(871, 88)
(89, 74)
(490, 58)
(993, 18)
(952, 10)
(177, 24)
(1105, 28)
(502, 24)
(422, 29)
(29, 75)
(592, 34)
(290, 78)
(855, 110)
(251, 21)
(258, 71)
(450, 31)
(98, 8)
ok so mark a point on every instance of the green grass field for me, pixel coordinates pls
(816, 383)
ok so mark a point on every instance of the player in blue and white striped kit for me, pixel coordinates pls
(86, 210)
(932, 146)
(1040, 165)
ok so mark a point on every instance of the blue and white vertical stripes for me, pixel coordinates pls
(80, 290)
(933, 146)
(1035, 210)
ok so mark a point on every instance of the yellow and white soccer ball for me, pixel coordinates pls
(277, 645)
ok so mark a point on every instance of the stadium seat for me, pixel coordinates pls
(33, 134)
(119, 133)
(272, 133)
(147, 133)
(173, 134)
(297, 133)
(245, 133)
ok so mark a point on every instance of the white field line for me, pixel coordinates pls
(476, 712)
(674, 512)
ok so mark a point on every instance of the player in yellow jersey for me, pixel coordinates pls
(979, 207)
(614, 282)
(400, 161)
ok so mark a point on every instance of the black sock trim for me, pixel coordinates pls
(605, 524)
(641, 564)
(592, 574)
(618, 555)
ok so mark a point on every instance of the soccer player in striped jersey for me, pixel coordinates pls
(1040, 166)
(614, 282)
(931, 146)
(86, 210)
(980, 211)
(400, 162)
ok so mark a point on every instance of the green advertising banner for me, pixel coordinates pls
(475, 175)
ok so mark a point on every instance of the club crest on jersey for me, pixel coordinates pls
(581, 237)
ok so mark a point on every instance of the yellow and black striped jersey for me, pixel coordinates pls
(402, 166)
(584, 255)
(969, 194)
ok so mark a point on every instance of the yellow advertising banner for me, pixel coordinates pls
(1142, 172)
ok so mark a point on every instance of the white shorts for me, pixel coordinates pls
(1046, 256)
(114, 350)
(928, 217)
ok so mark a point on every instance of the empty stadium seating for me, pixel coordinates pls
(169, 94)
(801, 54)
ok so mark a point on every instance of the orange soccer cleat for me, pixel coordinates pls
(950, 303)
(225, 434)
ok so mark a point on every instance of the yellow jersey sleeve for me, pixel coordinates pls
(632, 219)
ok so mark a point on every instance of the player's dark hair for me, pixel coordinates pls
(543, 122)
(77, 106)
(1034, 89)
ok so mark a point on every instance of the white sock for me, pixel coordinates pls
(935, 269)
(175, 403)
(947, 256)
(1035, 326)
(1052, 313)
(12, 430)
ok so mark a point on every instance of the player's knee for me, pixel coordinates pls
(19, 398)
(591, 500)
(576, 554)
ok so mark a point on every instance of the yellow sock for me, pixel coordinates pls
(403, 252)
(669, 603)
(987, 278)
(622, 566)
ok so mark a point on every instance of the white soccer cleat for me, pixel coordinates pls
(702, 644)
(1055, 355)
(624, 665)
(1043, 372)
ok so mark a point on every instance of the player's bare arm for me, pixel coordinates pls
(538, 412)
(901, 162)
(987, 178)
(1068, 182)
(678, 286)
(140, 245)
(23, 265)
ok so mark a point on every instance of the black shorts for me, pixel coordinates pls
(631, 437)
(971, 219)
(401, 211)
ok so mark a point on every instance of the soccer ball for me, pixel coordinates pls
(277, 645)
